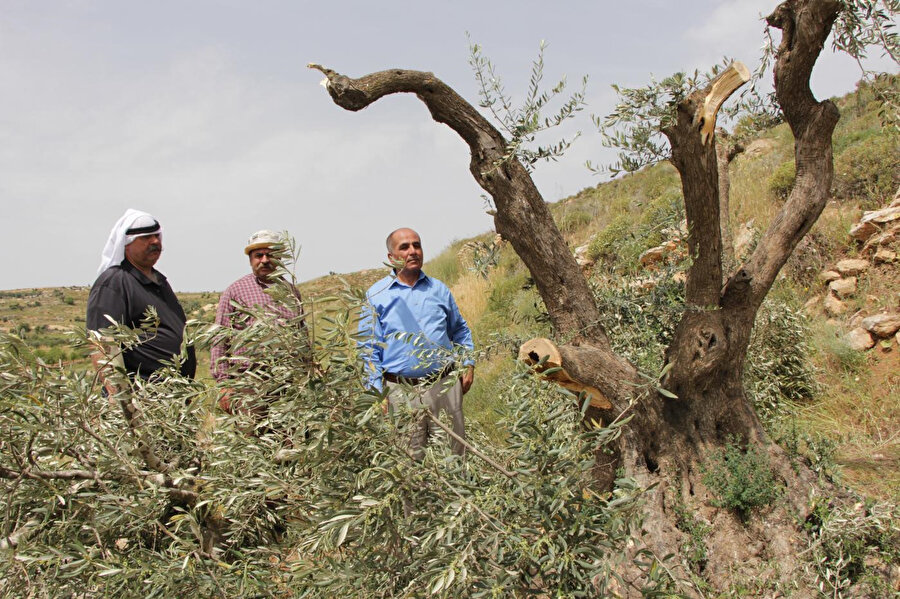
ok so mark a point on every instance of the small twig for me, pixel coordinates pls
(18, 535)
(469, 447)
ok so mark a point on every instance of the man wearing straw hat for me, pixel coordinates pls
(128, 284)
(249, 293)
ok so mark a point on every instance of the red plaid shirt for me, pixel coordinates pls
(249, 292)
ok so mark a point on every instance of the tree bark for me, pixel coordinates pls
(667, 439)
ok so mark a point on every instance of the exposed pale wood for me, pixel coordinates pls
(546, 353)
(734, 76)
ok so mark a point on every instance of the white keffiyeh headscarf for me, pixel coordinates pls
(140, 223)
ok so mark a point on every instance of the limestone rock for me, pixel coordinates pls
(843, 287)
(653, 255)
(834, 306)
(882, 325)
(827, 276)
(852, 266)
(884, 238)
(581, 256)
(883, 216)
(862, 231)
(859, 339)
(811, 303)
(759, 147)
(884, 256)
(743, 239)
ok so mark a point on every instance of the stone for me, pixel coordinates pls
(882, 325)
(859, 339)
(827, 276)
(883, 216)
(897, 337)
(833, 306)
(812, 303)
(884, 238)
(862, 231)
(884, 256)
(581, 256)
(653, 255)
(852, 266)
(759, 147)
(843, 287)
(743, 239)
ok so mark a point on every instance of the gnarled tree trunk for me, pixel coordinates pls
(667, 439)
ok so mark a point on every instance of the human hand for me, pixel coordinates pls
(467, 378)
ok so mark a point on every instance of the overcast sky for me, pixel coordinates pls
(204, 114)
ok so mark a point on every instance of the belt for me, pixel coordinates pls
(428, 378)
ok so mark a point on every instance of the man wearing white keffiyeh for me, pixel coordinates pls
(127, 284)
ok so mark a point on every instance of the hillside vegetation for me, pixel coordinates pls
(840, 405)
(284, 526)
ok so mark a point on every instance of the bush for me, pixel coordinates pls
(309, 492)
(868, 171)
(850, 544)
(740, 479)
(778, 366)
(641, 323)
(782, 180)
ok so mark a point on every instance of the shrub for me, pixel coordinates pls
(573, 219)
(781, 182)
(778, 366)
(849, 544)
(869, 170)
(741, 479)
(641, 323)
(310, 492)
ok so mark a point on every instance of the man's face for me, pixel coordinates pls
(407, 253)
(144, 251)
(261, 263)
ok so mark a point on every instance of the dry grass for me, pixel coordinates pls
(859, 411)
(472, 293)
(751, 198)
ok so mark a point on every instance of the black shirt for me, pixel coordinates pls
(124, 293)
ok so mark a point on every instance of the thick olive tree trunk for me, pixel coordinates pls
(667, 438)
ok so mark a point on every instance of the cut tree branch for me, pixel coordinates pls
(522, 216)
(694, 156)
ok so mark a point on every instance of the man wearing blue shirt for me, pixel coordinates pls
(410, 330)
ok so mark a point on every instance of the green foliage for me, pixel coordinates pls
(307, 490)
(620, 245)
(573, 220)
(641, 323)
(850, 544)
(778, 366)
(740, 478)
(865, 24)
(781, 182)
(868, 170)
(635, 126)
(694, 548)
(521, 126)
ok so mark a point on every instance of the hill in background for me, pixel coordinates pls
(819, 393)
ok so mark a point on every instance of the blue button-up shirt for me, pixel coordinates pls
(410, 331)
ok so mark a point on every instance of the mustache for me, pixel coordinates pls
(154, 248)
